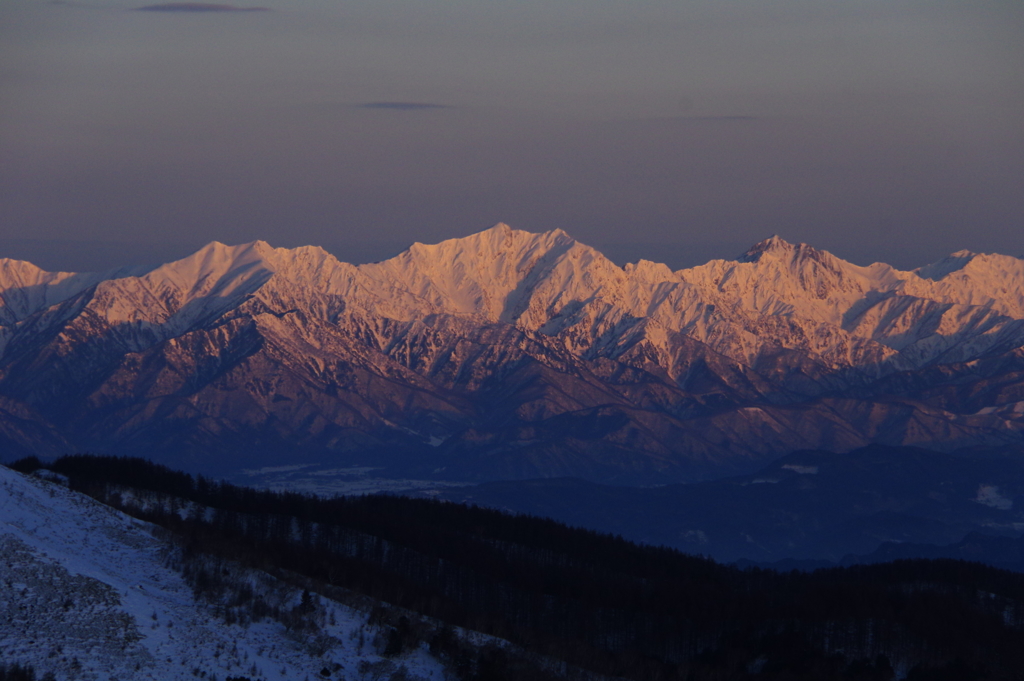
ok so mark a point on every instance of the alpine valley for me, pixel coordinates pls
(508, 355)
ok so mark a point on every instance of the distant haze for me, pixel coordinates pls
(670, 130)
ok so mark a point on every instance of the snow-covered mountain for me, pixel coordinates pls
(510, 354)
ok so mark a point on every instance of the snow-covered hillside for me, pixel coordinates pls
(475, 357)
(86, 593)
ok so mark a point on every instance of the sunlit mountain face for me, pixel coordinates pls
(510, 355)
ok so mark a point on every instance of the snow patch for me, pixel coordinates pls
(802, 470)
(989, 495)
(276, 469)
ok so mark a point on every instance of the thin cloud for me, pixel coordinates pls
(198, 7)
(721, 119)
(714, 120)
(402, 106)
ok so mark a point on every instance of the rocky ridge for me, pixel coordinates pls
(509, 354)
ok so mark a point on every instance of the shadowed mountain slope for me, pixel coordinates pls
(508, 354)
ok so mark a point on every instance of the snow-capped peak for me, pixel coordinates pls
(473, 275)
(25, 288)
(216, 269)
(951, 263)
(988, 280)
(776, 277)
(773, 245)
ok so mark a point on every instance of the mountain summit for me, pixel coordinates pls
(510, 354)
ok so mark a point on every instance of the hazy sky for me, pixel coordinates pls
(676, 130)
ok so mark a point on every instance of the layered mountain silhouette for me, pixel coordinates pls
(807, 509)
(508, 354)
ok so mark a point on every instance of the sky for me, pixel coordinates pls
(671, 130)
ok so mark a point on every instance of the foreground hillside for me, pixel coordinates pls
(573, 603)
(87, 592)
(508, 354)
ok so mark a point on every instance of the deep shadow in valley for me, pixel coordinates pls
(900, 502)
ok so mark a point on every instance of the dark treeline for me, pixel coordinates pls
(593, 600)
(17, 672)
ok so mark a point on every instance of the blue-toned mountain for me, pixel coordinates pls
(509, 354)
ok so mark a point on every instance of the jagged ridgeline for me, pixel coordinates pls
(508, 354)
(594, 601)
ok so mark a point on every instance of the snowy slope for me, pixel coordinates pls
(85, 592)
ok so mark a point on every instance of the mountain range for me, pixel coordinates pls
(510, 355)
